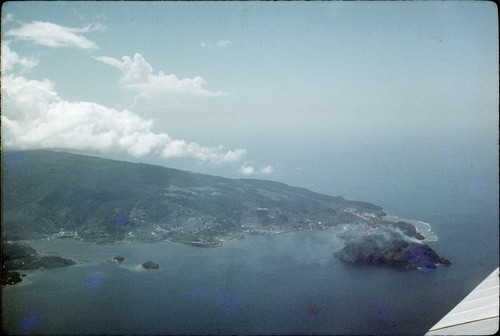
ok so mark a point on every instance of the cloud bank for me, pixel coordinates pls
(137, 74)
(52, 35)
(35, 116)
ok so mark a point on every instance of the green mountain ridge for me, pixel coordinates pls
(102, 200)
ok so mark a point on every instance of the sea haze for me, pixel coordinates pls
(264, 284)
(288, 283)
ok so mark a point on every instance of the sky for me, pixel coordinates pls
(324, 95)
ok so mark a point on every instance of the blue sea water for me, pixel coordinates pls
(281, 284)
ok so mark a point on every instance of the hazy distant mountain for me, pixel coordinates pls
(95, 199)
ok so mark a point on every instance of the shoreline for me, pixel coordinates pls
(424, 228)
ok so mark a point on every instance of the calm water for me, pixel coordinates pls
(282, 284)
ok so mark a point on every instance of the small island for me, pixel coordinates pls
(388, 247)
(117, 259)
(150, 265)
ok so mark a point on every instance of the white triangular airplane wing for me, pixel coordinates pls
(477, 314)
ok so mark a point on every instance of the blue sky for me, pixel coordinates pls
(277, 90)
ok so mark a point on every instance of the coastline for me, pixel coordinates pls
(424, 228)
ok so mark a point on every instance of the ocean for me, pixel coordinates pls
(280, 284)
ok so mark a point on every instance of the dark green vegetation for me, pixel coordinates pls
(63, 195)
(10, 277)
(150, 265)
(100, 200)
(16, 256)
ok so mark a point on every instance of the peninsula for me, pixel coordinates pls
(17, 256)
(50, 194)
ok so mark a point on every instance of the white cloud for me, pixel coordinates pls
(267, 170)
(52, 35)
(247, 169)
(10, 59)
(137, 74)
(111, 61)
(35, 116)
(180, 148)
(217, 45)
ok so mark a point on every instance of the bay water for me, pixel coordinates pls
(280, 284)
